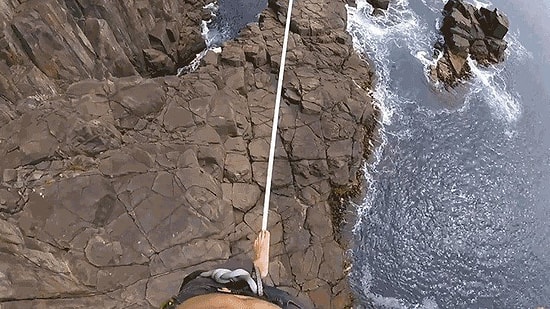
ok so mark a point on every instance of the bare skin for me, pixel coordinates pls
(226, 301)
(261, 253)
(230, 301)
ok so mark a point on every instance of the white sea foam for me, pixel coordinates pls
(212, 39)
(206, 35)
(490, 84)
(433, 5)
(479, 4)
(376, 37)
(396, 303)
(516, 52)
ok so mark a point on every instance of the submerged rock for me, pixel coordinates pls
(469, 32)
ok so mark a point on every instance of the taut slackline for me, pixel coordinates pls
(276, 120)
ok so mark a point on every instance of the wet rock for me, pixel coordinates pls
(191, 43)
(380, 4)
(455, 19)
(459, 44)
(468, 31)
(494, 23)
(479, 50)
(457, 62)
(496, 50)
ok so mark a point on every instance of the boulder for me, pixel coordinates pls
(158, 63)
(494, 23)
(496, 49)
(456, 18)
(479, 50)
(190, 45)
(459, 44)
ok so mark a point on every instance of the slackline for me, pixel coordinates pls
(276, 120)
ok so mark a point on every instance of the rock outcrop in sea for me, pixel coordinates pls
(469, 32)
(117, 180)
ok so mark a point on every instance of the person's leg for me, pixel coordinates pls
(261, 253)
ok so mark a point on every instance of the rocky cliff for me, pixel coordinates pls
(115, 185)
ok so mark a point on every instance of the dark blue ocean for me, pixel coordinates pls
(458, 211)
(230, 16)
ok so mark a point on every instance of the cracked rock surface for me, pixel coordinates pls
(114, 185)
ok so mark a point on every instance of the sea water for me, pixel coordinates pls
(228, 17)
(458, 213)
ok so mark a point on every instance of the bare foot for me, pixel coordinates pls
(261, 253)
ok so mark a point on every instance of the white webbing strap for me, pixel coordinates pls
(225, 276)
